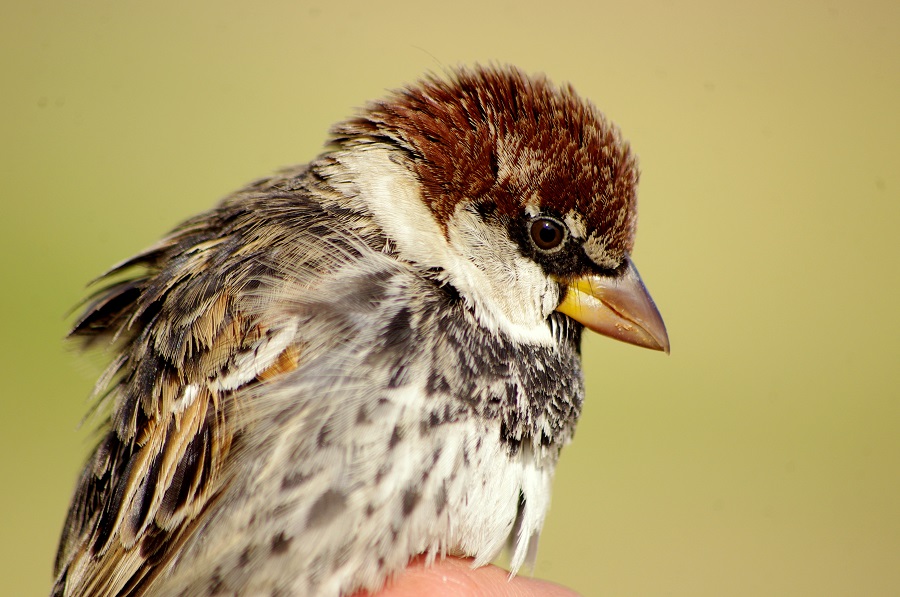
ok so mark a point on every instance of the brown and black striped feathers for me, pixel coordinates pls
(184, 319)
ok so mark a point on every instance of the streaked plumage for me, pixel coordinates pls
(362, 359)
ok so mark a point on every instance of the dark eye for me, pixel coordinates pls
(547, 234)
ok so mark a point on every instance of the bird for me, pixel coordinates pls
(365, 359)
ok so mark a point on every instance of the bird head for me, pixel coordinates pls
(520, 194)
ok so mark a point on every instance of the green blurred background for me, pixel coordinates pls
(761, 458)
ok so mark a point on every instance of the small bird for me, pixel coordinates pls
(364, 359)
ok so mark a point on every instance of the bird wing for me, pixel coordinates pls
(185, 320)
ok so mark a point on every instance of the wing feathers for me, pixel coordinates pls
(185, 343)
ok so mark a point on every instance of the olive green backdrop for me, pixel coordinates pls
(761, 458)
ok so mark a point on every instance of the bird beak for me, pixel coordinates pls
(619, 307)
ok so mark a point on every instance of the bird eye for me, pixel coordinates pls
(547, 234)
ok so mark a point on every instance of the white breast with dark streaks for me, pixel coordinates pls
(362, 458)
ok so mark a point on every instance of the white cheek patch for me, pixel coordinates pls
(508, 291)
(394, 197)
(512, 291)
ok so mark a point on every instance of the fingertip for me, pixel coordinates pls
(455, 577)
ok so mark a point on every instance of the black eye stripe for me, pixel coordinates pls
(547, 234)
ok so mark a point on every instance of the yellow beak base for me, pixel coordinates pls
(619, 307)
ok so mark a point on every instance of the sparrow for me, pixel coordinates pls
(361, 360)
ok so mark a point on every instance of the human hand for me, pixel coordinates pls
(455, 577)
